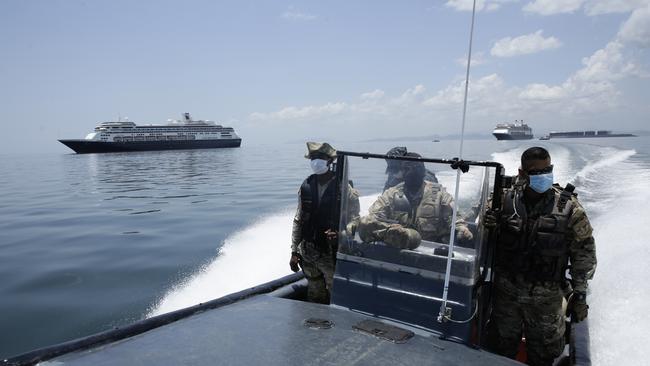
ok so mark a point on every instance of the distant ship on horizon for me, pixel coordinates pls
(127, 136)
(584, 134)
(513, 131)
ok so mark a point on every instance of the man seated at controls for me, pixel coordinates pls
(396, 173)
(412, 211)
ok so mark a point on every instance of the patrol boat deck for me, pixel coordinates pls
(267, 330)
(264, 329)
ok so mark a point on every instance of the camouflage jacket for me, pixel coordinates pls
(579, 241)
(431, 217)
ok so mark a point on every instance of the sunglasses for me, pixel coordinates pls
(548, 169)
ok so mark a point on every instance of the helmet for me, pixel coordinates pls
(395, 165)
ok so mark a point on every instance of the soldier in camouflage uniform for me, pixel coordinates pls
(410, 211)
(543, 227)
(314, 234)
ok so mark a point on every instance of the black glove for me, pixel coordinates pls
(578, 307)
(294, 262)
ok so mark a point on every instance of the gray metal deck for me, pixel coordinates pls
(267, 330)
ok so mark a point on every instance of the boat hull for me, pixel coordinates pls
(505, 136)
(591, 136)
(89, 146)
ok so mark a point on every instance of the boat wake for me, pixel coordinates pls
(257, 254)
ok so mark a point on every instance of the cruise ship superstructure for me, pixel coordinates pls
(183, 134)
(513, 131)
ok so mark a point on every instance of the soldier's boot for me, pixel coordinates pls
(545, 356)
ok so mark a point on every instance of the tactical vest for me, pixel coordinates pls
(318, 214)
(535, 247)
(424, 217)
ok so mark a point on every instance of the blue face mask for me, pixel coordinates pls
(541, 183)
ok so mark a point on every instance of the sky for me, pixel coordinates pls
(350, 70)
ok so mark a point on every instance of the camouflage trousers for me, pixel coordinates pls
(536, 312)
(318, 267)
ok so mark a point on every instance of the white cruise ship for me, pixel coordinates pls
(513, 131)
(183, 134)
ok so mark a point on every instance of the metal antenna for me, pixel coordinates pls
(445, 312)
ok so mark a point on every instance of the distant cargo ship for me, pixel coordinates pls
(584, 134)
(127, 136)
(513, 131)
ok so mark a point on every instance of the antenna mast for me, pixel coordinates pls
(445, 312)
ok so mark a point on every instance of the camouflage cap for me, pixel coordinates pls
(320, 148)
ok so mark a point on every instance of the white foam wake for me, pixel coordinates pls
(257, 254)
(609, 157)
(620, 290)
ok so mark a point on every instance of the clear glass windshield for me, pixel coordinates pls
(395, 230)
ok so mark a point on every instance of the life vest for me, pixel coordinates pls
(535, 248)
(318, 214)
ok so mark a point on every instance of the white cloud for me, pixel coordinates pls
(550, 7)
(542, 92)
(375, 94)
(302, 113)
(596, 7)
(478, 58)
(591, 7)
(590, 89)
(606, 64)
(466, 5)
(523, 45)
(637, 28)
(410, 96)
(483, 93)
(293, 14)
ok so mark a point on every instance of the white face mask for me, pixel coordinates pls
(319, 166)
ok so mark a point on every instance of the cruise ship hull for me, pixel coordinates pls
(505, 136)
(89, 146)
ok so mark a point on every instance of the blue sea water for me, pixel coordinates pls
(91, 242)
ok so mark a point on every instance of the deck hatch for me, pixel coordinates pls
(316, 323)
(384, 331)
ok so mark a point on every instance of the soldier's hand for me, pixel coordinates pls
(579, 307)
(351, 228)
(294, 262)
(331, 234)
(463, 233)
(490, 218)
